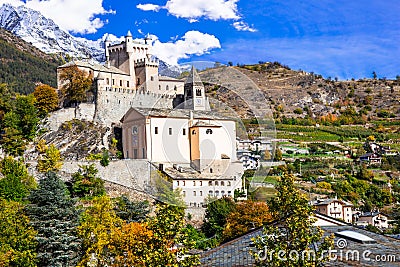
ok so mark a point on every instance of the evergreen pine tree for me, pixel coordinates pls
(54, 216)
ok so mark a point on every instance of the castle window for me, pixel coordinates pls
(222, 193)
(184, 193)
(127, 83)
(177, 183)
(170, 131)
(229, 183)
(152, 78)
(198, 92)
(210, 192)
(159, 87)
(120, 82)
(108, 81)
(183, 183)
(175, 88)
(167, 87)
(216, 182)
(184, 131)
(222, 183)
(155, 130)
(201, 193)
(209, 131)
(201, 183)
(211, 170)
(229, 193)
(194, 183)
(138, 81)
(113, 82)
(194, 193)
(210, 183)
(216, 193)
(194, 132)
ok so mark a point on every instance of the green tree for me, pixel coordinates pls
(19, 121)
(54, 216)
(46, 99)
(130, 211)
(17, 237)
(216, 214)
(86, 183)
(50, 160)
(28, 116)
(16, 182)
(105, 159)
(296, 231)
(11, 139)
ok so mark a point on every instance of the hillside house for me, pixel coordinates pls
(336, 208)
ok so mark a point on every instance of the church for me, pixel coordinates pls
(164, 120)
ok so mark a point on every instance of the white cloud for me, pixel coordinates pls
(243, 26)
(148, 7)
(192, 43)
(12, 2)
(76, 16)
(194, 9)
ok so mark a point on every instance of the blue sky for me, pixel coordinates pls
(343, 39)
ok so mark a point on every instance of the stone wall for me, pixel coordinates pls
(132, 174)
(112, 105)
(85, 111)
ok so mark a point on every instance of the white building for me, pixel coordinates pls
(376, 219)
(193, 146)
(336, 208)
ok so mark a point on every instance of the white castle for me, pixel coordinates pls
(130, 78)
(164, 121)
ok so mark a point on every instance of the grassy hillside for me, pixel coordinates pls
(22, 66)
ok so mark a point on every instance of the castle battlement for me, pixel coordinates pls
(130, 78)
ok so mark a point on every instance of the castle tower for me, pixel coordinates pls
(107, 43)
(195, 97)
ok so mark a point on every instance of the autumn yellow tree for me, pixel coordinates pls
(98, 222)
(75, 84)
(50, 158)
(129, 245)
(247, 215)
(17, 237)
(170, 243)
(46, 99)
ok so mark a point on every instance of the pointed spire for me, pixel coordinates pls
(193, 77)
(129, 34)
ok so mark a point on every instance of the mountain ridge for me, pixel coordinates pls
(44, 34)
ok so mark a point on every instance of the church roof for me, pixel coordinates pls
(167, 78)
(193, 77)
(179, 113)
(94, 66)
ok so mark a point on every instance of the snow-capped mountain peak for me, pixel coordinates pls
(43, 33)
